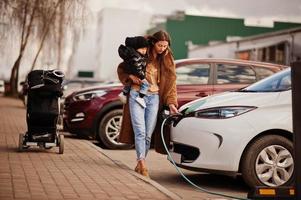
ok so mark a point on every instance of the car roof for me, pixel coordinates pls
(181, 62)
(186, 61)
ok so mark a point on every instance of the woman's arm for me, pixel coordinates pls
(126, 78)
(172, 88)
(122, 75)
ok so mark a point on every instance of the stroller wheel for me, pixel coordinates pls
(61, 144)
(21, 140)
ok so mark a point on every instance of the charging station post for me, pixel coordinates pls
(296, 99)
(288, 192)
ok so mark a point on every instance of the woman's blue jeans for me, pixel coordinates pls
(143, 121)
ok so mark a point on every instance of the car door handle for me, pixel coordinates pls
(202, 94)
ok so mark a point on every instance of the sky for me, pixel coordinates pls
(261, 12)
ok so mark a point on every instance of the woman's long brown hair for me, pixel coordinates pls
(166, 58)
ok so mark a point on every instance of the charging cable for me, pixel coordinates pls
(180, 171)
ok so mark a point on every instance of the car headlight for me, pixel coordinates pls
(89, 95)
(223, 112)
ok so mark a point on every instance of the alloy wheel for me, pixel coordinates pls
(274, 165)
(112, 128)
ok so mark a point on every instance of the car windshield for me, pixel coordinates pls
(275, 83)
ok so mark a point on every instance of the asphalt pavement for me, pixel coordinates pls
(163, 172)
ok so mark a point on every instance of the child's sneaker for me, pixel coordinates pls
(122, 97)
(141, 101)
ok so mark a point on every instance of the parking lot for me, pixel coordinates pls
(163, 172)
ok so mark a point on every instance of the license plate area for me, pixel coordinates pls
(176, 157)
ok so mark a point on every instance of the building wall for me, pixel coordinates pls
(296, 49)
(200, 30)
(225, 50)
(114, 25)
(253, 44)
(83, 51)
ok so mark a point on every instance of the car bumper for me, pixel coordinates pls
(79, 118)
(210, 144)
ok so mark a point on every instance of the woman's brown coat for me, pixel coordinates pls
(167, 95)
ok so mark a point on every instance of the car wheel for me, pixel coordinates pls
(109, 129)
(269, 162)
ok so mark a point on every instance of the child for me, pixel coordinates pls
(134, 56)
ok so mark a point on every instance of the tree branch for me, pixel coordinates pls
(24, 24)
(46, 33)
(30, 24)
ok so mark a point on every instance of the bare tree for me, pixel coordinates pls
(39, 19)
(45, 31)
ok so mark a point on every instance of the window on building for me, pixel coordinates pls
(280, 53)
(193, 74)
(272, 54)
(235, 74)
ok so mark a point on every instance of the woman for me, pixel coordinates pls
(139, 123)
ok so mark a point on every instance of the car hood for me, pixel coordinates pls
(232, 99)
(100, 87)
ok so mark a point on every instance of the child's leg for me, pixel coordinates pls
(125, 91)
(143, 88)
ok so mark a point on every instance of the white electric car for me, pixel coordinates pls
(247, 131)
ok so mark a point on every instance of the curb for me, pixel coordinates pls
(147, 180)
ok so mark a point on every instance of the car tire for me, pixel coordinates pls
(109, 129)
(266, 161)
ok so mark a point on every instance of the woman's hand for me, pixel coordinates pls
(135, 79)
(173, 109)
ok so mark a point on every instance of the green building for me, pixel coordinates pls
(200, 30)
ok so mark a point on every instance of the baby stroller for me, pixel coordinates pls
(43, 109)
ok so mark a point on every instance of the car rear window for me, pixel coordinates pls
(227, 73)
(193, 74)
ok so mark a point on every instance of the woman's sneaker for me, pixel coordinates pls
(141, 101)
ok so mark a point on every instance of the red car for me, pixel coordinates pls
(97, 111)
